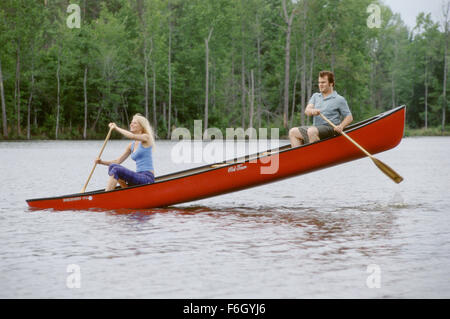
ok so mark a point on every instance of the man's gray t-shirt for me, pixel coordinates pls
(334, 107)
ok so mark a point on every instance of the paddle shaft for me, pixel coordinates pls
(382, 166)
(95, 165)
(348, 137)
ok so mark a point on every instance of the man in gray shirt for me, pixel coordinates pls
(331, 105)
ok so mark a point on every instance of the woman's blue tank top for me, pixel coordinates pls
(142, 157)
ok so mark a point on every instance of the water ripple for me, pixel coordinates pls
(307, 237)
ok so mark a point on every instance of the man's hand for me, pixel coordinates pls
(347, 120)
(339, 128)
(312, 112)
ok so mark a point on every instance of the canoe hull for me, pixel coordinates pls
(383, 133)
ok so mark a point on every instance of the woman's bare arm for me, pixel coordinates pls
(138, 137)
(119, 160)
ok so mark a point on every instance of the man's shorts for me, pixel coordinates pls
(325, 131)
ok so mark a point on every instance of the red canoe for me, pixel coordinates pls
(377, 134)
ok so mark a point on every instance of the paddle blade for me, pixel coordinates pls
(387, 170)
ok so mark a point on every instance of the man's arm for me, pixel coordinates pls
(347, 120)
(311, 111)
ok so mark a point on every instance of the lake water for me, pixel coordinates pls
(344, 232)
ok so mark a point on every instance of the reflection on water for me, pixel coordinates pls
(297, 228)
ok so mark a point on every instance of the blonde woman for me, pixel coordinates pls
(140, 150)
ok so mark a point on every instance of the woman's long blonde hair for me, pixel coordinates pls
(142, 120)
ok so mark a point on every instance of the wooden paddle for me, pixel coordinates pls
(383, 167)
(100, 154)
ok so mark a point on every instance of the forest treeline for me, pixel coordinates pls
(68, 68)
